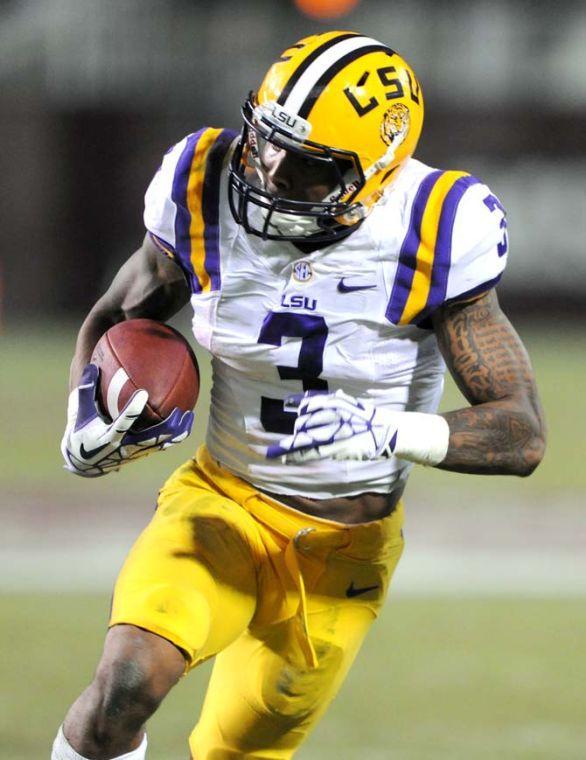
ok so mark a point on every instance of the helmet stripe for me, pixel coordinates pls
(304, 65)
(334, 69)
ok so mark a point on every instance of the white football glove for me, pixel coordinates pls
(339, 426)
(92, 447)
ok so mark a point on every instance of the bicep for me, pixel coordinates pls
(147, 285)
(484, 353)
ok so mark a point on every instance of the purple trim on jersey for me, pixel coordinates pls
(183, 217)
(210, 204)
(476, 291)
(163, 245)
(442, 258)
(425, 323)
(408, 255)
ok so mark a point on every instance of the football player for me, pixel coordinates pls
(331, 275)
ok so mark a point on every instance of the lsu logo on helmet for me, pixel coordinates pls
(395, 124)
(340, 98)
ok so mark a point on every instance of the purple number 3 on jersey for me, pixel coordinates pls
(313, 332)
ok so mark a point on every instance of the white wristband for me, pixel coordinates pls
(422, 438)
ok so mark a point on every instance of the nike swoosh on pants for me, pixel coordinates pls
(353, 591)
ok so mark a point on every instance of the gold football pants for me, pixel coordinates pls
(283, 599)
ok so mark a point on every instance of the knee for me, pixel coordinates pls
(110, 714)
(125, 694)
(136, 672)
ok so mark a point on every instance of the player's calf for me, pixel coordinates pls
(136, 672)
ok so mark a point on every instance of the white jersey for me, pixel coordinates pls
(353, 315)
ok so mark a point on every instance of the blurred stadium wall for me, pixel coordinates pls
(92, 93)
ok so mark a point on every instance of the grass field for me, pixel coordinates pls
(437, 678)
(440, 677)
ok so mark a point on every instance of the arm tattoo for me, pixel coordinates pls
(502, 432)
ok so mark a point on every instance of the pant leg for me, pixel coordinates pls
(263, 698)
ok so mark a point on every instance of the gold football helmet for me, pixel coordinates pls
(340, 99)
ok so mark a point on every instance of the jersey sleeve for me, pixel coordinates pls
(182, 205)
(479, 244)
(160, 210)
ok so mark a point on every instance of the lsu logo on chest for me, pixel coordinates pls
(296, 301)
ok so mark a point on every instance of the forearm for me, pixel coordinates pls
(148, 285)
(97, 322)
(503, 431)
(491, 439)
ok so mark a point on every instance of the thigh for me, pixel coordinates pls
(190, 577)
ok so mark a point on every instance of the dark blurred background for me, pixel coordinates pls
(92, 93)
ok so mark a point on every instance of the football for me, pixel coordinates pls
(143, 353)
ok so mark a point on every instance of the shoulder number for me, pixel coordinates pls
(493, 204)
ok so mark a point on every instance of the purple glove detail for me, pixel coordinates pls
(176, 426)
(87, 393)
(337, 426)
(275, 450)
(293, 402)
(298, 402)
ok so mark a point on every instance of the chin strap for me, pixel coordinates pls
(360, 211)
(286, 224)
